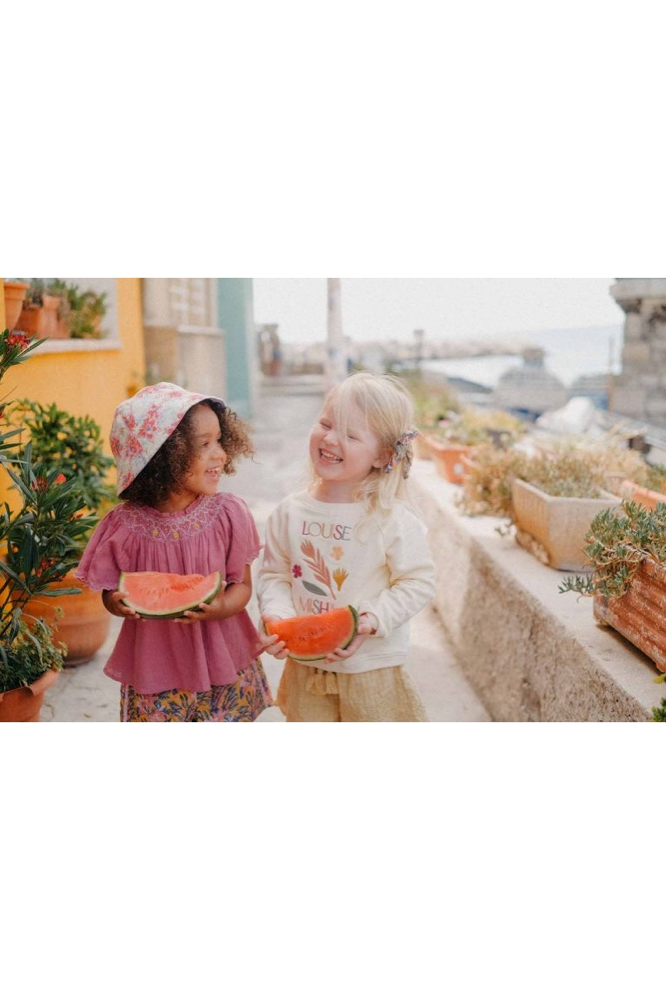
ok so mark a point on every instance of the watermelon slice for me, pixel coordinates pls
(311, 637)
(167, 595)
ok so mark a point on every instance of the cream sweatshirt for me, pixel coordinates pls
(315, 560)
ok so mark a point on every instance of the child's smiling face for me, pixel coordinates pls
(208, 463)
(343, 453)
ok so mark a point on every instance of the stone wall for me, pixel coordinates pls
(531, 653)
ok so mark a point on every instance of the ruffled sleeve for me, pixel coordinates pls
(244, 541)
(105, 553)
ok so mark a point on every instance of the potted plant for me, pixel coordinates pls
(36, 543)
(42, 311)
(71, 446)
(551, 494)
(626, 553)
(82, 311)
(560, 491)
(489, 473)
(648, 489)
(14, 293)
(31, 668)
(54, 308)
(458, 433)
(552, 524)
(86, 318)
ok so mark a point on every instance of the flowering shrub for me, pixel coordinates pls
(38, 542)
(72, 446)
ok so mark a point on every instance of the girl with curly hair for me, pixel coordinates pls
(172, 448)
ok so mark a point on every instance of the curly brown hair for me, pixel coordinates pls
(167, 470)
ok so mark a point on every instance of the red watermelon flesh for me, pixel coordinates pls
(311, 637)
(168, 595)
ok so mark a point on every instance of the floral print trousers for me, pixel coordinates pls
(242, 701)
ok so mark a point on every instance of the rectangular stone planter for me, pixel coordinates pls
(553, 528)
(640, 614)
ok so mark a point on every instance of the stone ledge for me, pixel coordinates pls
(530, 653)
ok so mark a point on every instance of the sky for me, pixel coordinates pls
(452, 308)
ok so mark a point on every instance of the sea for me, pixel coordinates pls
(569, 354)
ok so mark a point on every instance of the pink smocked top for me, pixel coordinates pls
(213, 533)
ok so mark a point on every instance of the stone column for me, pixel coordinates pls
(640, 390)
(336, 366)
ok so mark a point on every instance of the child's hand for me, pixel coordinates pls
(271, 644)
(113, 602)
(214, 611)
(367, 625)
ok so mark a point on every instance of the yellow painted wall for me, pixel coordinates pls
(92, 382)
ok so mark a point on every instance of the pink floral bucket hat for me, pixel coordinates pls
(144, 422)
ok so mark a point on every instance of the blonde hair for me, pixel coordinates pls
(386, 407)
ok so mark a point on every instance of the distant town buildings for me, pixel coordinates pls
(638, 392)
(378, 355)
(530, 389)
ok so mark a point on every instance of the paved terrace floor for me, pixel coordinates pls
(286, 410)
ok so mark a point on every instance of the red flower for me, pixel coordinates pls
(297, 571)
(41, 483)
(18, 339)
(59, 479)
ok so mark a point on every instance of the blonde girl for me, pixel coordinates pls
(352, 538)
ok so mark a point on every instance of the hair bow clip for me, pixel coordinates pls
(401, 454)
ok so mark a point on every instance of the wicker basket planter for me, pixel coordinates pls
(640, 614)
(553, 528)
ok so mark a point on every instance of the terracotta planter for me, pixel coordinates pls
(85, 622)
(640, 614)
(42, 321)
(14, 295)
(448, 459)
(641, 495)
(25, 703)
(553, 528)
(421, 447)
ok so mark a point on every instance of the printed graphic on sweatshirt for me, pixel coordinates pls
(328, 580)
(327, 532)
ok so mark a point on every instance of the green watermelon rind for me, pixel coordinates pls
(175, 612)
(341, 645)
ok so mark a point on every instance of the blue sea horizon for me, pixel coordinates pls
(569, 354)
